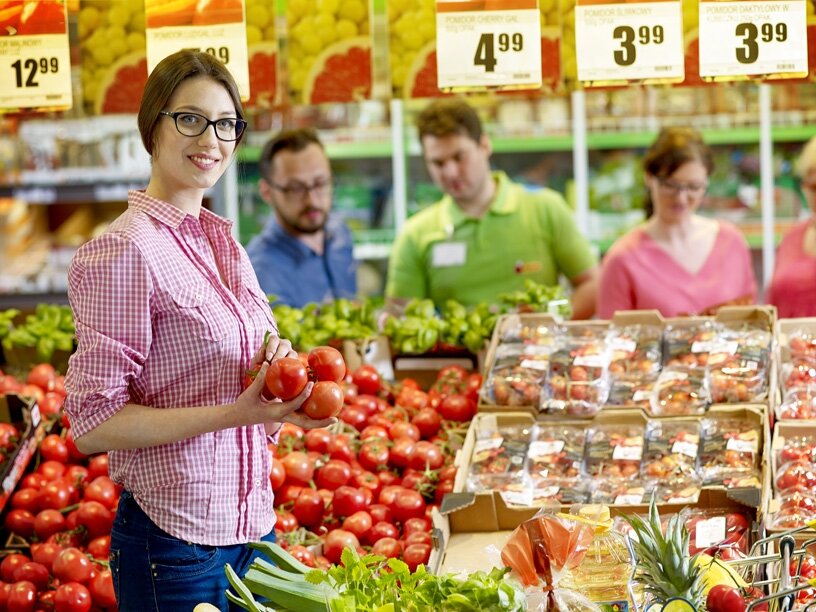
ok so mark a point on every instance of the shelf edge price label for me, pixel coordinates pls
(36, 59)
(634, 41)
(488, 43)
(754, 38)
(221, 33)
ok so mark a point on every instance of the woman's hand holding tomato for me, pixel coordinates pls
(287, 378)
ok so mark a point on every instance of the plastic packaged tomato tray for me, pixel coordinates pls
(679, 391)
(614, 451)
(798, 403)
(577, 383)
(498, 460)
(729, 452)
(556, 452)
(671, 449)
(722, 533)
(517, 375)
(635, 350)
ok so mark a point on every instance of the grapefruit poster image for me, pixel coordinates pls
(214, 26)
(35, 57)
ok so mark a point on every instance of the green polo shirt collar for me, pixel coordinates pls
(504, 202)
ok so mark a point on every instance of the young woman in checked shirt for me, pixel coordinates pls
(169, 316)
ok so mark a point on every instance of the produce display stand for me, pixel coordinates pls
(21, 411)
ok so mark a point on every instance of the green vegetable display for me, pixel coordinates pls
(422, 327)
(320, 324)
(370, 583)
(49, 329)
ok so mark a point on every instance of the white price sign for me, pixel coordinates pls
(757, 38)
(36, 71)
(629, 42)
(226, 41)
(480, 45)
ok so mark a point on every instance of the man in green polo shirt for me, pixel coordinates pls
(488, 234)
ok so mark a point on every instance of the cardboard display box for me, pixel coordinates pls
(470, 512)
(25, 415)
(763, 317)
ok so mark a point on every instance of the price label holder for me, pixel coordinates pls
(219, 33)
(492, 44)
(36, 60)
(753, 39)
(618, 43)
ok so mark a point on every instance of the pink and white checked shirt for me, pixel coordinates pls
(157, 326)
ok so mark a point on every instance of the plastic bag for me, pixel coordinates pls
(542, 551)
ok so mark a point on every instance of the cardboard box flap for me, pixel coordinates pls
(638, 317)
(735, 314)
(456, 501)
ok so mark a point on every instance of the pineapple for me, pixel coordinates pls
(664, 567)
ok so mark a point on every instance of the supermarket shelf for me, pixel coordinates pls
(334, 150)
(28, 301)
(50, 193)
(371, 250)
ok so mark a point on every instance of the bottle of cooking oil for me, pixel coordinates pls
(603, 575)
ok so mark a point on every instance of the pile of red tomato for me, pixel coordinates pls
(63, 508)
(372, 485)
(368, 483)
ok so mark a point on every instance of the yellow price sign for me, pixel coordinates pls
(35, 60)
(219, 30)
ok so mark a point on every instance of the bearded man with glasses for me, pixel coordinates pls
(678, 261)
(304, 253)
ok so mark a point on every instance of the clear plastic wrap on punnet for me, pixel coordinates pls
(497, 462)
(680, 391)
(730, 452)
(614, 451)
(671, 448)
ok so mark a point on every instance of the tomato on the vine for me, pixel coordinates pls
(327, 364)
(72, 565)
(286, 378)
(101, 588)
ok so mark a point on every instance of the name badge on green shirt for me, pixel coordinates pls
(447, 254)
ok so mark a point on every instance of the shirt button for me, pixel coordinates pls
(257, 482)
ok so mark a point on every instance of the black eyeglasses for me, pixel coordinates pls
(193, 124)
(298, 191)
(674, 188)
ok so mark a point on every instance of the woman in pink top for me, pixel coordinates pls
(793, 286)
(677, 262)
(169, 317)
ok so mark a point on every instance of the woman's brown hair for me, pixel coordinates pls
(167, 76)
(674, 147)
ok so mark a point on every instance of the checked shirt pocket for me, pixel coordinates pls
(195, 309)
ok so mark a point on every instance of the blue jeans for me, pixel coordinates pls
(156, 572)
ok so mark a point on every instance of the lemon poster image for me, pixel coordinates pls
(213, 26)
(35, 59)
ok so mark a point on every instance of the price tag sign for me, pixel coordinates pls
(35, 59)
(637, 41)
(756, 38)
(484, 43)
(220, 33)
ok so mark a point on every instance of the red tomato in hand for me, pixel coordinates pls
(325, 400)
(286, 378)
(327, 364)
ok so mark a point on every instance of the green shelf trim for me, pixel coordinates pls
(597, 140)
(793, 133)
(531, 144)
(335, 150)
